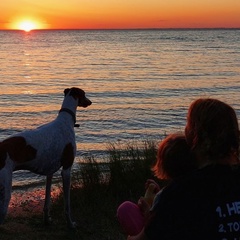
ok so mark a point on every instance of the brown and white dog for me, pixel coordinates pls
(44, 151)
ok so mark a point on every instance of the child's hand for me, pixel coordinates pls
(150, 181)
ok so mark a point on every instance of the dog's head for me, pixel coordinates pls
(79, 94)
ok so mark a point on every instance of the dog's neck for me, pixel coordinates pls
(69, 106)
(70, 112)
(70, 103)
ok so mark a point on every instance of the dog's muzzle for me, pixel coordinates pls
(85, 103)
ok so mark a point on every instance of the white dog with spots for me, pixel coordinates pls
(43, 151)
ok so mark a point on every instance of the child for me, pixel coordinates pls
(174, 160)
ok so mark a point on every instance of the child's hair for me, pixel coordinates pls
(174, 158)
(212, 130)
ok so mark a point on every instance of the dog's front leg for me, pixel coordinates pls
(66, 177)
(46, 209)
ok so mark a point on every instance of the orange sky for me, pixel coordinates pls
(105, 14)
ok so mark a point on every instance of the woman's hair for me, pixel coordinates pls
(212, 130)
(174, 158)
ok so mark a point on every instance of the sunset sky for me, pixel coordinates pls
(118, 14)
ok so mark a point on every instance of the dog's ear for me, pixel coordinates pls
(66, 91)
(77, 93)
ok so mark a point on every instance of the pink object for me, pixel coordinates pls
(130, 218)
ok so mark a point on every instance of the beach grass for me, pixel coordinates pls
(98, 187)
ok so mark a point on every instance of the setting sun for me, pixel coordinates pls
(27, 26)
(26, 23)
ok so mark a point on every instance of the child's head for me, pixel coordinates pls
(212, 130)
(174, 158)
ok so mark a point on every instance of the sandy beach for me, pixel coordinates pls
(29, 200)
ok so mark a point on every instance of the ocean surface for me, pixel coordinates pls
(141, 82)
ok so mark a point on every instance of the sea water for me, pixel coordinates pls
(141, 82)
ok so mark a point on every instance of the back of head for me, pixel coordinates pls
(212, 130)
(174, 158)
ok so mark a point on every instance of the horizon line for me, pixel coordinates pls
(126, 29)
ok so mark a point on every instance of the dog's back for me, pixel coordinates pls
(47, 142)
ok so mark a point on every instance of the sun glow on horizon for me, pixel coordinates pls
(27, 25)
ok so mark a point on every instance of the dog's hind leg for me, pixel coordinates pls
(46, 209)
(66, 177)
(5, 188)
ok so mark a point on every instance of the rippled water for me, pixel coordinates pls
(140, 82)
